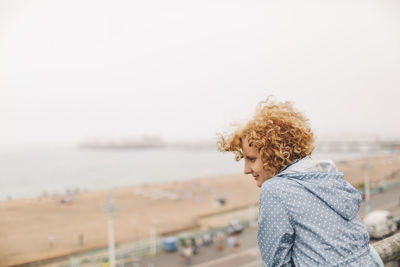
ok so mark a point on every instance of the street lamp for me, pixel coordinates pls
(110, 210)
(365, 167)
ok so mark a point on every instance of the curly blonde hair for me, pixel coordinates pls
(277, 130)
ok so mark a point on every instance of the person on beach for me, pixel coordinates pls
(51, 240)
(308, 213)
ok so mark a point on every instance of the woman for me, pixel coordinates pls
(308, 213)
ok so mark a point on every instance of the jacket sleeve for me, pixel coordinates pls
(275, 232)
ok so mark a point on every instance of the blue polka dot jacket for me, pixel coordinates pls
(309, 217)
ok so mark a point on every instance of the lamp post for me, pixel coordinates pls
(153, 238)
(110, 210)
(364, 167)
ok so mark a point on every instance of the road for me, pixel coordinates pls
(387, 200)
(248, 255)
(208, 256)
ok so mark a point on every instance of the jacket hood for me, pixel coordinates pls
(321, 178)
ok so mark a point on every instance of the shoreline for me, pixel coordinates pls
(56, 182)
(25, 224)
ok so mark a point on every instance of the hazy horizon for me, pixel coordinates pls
(185, 70)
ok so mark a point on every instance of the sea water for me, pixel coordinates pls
(31, 172)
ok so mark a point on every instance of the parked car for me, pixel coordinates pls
(380, 223)
(235, 227)
(207, 239)
(170, 244)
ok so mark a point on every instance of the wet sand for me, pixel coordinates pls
(26, 224)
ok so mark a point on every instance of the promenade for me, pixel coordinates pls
(248, 255)
(81, 224)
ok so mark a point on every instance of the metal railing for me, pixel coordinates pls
(138, 250)
(388, 249)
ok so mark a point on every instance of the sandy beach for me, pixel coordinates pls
(25, 224)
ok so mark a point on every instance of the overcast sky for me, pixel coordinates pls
(185, 69)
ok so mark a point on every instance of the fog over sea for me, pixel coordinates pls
(29, 172)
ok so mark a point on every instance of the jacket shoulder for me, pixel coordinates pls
(277, 186)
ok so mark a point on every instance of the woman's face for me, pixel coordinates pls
(253, 164)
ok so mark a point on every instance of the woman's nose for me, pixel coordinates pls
(247, 168)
